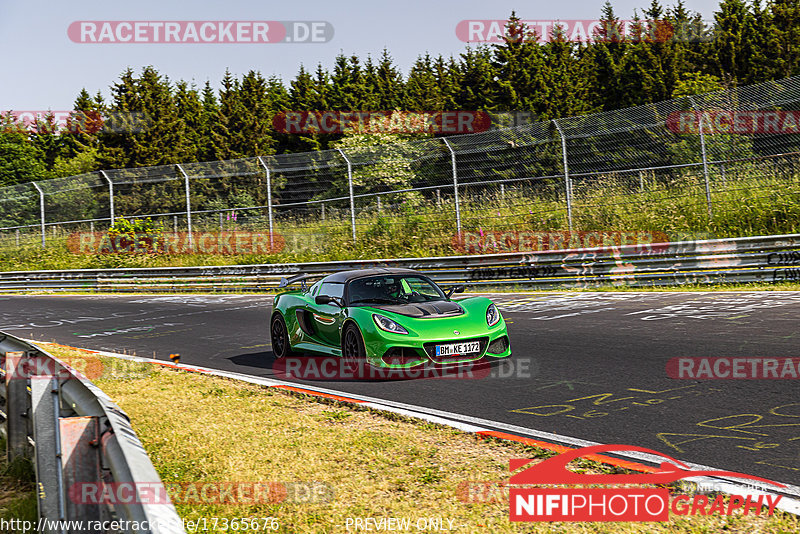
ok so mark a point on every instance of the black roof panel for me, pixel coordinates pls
(346, 276)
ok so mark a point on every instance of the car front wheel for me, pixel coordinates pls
(354, 354)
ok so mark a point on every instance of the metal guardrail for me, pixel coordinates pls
(76, 436)
(764, 259)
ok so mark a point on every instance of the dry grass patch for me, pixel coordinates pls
(201, 429)
(17, 489)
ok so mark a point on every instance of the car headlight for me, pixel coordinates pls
(492, 315)
(384, 323)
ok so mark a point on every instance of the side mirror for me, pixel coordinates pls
(325, 299)
(455, 289)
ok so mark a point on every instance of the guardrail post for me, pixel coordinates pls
(188, 206)
(80, 461)
(41, 211)
(110, 195)
(567, 180)
(17, 405)
(350, 185)
(455, 184)
(269, 201)
(47, 452)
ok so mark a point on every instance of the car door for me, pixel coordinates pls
(328, 317)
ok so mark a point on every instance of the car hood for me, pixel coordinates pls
(424, 310)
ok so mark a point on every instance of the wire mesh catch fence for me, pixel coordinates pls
(723, 163)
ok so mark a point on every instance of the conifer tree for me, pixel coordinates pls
(781, 34)
(606, 55)
(520, 65)
(477, 86)
(734, 41)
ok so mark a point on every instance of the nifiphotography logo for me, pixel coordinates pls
(530, 504)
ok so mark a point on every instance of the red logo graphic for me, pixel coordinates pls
(618, 504)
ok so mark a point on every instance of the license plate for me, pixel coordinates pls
(458, 349)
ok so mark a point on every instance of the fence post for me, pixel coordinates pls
(703, 153)
(567, 181)
(455, 184)
(705, 166)
(110, 194)
(41, 211)
(350, 184)
(188, 206)
(269, 200)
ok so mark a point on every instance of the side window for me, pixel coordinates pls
(315, 288)
(332, 290)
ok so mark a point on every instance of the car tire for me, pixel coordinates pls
(354, 354)
(279, 336)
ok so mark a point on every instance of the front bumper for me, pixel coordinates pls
(409, 353)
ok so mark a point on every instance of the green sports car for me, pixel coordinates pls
(392, 318)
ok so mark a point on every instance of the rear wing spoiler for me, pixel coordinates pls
(285, 282)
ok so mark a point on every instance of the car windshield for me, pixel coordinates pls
(393, 289)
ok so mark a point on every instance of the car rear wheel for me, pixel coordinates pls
(354, 354)
(280, 337)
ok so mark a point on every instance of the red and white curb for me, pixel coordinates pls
(473, 425)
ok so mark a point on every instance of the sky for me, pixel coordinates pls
(47, 65)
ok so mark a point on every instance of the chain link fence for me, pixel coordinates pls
(721, 163)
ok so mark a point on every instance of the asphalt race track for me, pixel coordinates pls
(586, 365)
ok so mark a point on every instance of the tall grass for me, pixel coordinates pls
(751, 201)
